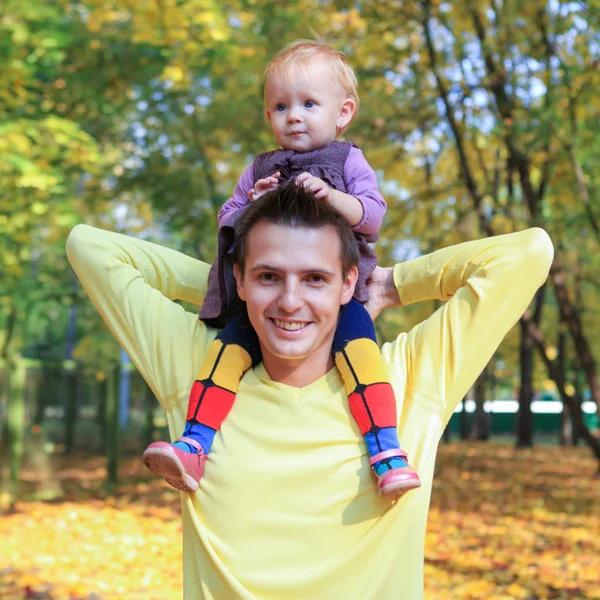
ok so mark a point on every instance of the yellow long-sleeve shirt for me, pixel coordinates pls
(288, 508)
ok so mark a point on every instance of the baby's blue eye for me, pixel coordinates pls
(309, 104)
(280, 107)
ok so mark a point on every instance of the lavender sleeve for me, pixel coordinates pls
(361, 182)
(240, 196)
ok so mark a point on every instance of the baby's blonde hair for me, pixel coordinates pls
(302, 53)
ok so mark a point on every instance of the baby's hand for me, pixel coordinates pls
(262, 186)
(313, 184)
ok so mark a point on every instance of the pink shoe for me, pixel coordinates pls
(395, 482)
(180, 469)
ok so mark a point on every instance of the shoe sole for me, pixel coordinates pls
(398, 488)
(170, 468)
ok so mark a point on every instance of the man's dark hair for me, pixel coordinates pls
(293, 206)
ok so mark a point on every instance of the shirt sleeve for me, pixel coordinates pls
(133, 284)
(240, 196)
(487, 285)
(361, 182)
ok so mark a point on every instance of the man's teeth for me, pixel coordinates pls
(290, 326)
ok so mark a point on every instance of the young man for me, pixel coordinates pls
(287, 507)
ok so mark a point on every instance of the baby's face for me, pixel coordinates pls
(305, 107)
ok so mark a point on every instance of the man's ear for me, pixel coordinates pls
(349, 285)
(346, 112)
(239, 282)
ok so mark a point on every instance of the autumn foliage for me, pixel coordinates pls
(504, 524)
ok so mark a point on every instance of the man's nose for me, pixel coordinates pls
(290, 299)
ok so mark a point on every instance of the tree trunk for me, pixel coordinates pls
(101, 411)
(149, 429)
(579, 378)
(570, 315)
(525, 416)
(70, 405)
(9, 330)
(566, 419)
(464, 421)
(42, 384)
(4, 394)
(575, 408)
(16, 425)
(112, 426)
(527, 362)
(480, 429)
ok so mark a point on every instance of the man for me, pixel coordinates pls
(287, 507)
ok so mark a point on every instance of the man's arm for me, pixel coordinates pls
(488, 285)
(133, 284)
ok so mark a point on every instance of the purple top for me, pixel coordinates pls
(343, 167)
(360, 180)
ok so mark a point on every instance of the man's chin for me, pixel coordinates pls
(286, 352)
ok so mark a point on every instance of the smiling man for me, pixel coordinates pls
(286, 507)
(293, 297)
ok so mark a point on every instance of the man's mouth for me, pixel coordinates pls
(290, 325)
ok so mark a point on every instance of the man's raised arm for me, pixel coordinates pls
(488, 284)
(133, 284)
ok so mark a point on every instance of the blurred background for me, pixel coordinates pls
(479, 118)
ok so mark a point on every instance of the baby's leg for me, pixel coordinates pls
(371, 398)
(230, 355)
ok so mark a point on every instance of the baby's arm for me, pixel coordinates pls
(363, 206)
(240, 197)
(348, 206)
(361, 184)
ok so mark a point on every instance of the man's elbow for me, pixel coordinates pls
(540, 252)
(77, 240)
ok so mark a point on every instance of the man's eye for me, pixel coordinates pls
(267, 276)
(316, 279)
(280, 107)
(309, 104)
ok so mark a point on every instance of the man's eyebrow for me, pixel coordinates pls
(267, 267)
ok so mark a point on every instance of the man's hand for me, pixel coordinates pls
(313, 184)
(262, 186)
(382, 291)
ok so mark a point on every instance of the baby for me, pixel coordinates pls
(310, 100)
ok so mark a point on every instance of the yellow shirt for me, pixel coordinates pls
(288, 508)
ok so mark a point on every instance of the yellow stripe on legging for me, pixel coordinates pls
(364, 356)
(233, 362)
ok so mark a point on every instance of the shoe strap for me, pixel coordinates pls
(388, 454)
(191, 442)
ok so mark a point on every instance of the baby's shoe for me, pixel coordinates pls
(395, 482)
(181, 470)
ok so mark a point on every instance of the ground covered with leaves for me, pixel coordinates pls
(503, 525)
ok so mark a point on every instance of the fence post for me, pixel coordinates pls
(124, 388)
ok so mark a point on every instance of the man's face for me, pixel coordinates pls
(293, 288)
